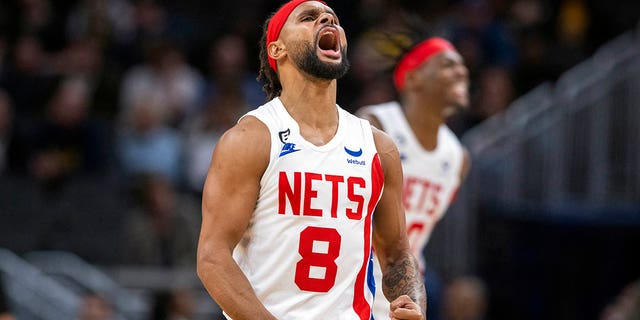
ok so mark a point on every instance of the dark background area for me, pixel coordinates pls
(552, 263)
(539, 262)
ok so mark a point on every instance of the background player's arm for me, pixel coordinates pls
(400, 274)
(229, 197)
(466, 164)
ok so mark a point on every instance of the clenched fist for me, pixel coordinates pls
(403, 308)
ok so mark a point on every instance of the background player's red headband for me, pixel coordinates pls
(417, 56)
(277, 22)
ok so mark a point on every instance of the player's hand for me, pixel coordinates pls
(403, 308)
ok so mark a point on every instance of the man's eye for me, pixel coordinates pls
(307, 18)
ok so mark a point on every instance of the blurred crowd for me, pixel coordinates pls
(147, 86)
(140, 90)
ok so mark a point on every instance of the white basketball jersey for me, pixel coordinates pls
(431, 180)
(307, 250)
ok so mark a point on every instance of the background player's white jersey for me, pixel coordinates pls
(307, 249)
(431, 180)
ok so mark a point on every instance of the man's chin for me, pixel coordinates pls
(323, 66)
(459, 100)
(330, 62)
(455, 107)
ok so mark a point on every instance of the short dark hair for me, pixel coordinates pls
(394, 46)
(268, 76)
(394, 43)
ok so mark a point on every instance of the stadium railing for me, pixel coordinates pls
(571, 142)
(69, 268)
(34, 295)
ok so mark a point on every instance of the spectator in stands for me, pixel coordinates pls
(368, 83)
(13, 147)
(84, 58)
(493, 95)
(177, 304)
(95, 307)
(495, 91)
(26, 77)
(147, 144)
(204, 130)
(160, 230)
(3, 53)
(110, 21)
(69, 141)
(481, 36)
(39, 18)
(228, 70)
(6, 119)
(230, 92)
(465, 298)
(166, 75)
(626, 305)
(5, 312)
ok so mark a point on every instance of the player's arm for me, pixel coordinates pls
(402, 282)
(229, 196)
(366, 114)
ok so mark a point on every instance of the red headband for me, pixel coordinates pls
(417, 56)
(277, 22)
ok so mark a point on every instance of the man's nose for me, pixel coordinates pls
(462, 71)
(327, 18)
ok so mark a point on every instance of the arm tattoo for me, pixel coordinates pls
(403, 277)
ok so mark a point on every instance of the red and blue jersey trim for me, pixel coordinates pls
(360, 304)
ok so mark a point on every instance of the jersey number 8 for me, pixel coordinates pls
(324, 260)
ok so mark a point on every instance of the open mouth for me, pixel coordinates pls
(460, 88)
(328, 43)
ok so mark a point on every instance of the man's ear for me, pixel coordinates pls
(411, 78)
(276, 50)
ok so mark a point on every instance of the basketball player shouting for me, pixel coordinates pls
(288, 204)
(432, 81)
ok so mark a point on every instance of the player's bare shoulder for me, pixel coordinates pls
(246, 144)
(387, 149)
(383, 141)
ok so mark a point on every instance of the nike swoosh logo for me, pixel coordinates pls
(353, 153)
(286, 152)
(288, 148)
